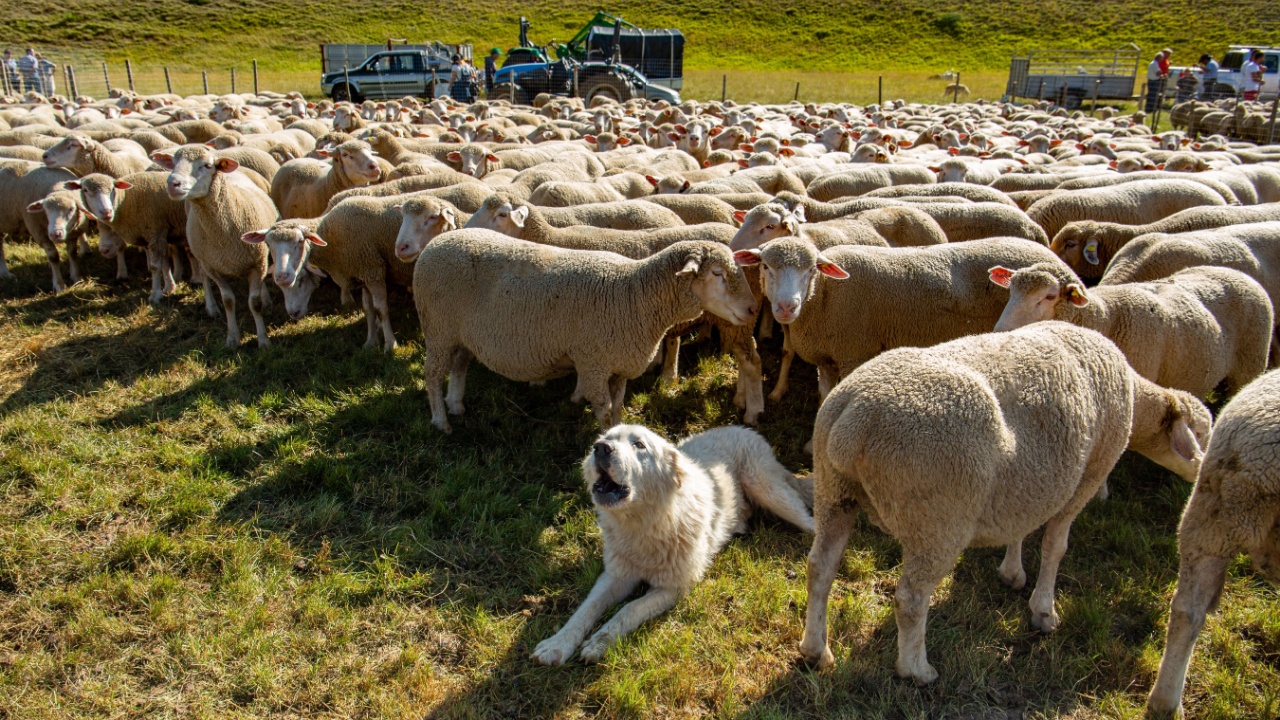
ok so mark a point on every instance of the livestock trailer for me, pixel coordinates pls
(1070, 77)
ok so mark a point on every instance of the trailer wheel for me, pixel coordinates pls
(1074, 99)
(504, 91)
(607, 86)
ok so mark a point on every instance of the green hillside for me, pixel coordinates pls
(722, 34)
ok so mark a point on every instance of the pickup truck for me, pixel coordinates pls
(1236, 56)
(388, 75)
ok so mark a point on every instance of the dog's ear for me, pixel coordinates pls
(676, 461)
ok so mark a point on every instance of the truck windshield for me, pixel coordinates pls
(1232, 60)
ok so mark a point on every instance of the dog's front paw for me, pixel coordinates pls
(552, 651)
(595, 649)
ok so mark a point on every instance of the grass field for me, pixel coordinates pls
(193, 532)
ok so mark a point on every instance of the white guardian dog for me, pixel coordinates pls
(665, 511)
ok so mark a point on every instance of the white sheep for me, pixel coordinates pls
(1190, 331)
(974, 442)
(1233, 509)
(863, 180)
(83, 155)
(302, 188)
(222, 205)
(1138, 202)
(532, 312)
(23, 183)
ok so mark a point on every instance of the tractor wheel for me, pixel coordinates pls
(342, 93)
(607, 86)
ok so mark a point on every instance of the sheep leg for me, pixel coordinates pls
(921, 573)
(1200, 582)
(766, 326)
(435, 365)
(632, 615)
(379, 292)
(82, 246)
(370, 318)
(828, 376)
(73, 258)
(784, 372)
(5, 274)
(1011, 572)
(670, 361)
(457, 381)
(155, 263)
(617, 392)
(608, 590)
(750, 391)
(597, 388)
(122, 267)
(209, 305)
(833, 524)
(197, 268)
(55, 269)
(173, 267)
(228, 308)
(258, 289)
(1052, 548)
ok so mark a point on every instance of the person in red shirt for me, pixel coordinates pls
(1164, 62)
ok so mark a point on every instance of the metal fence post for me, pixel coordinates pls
(796, 97)
(168, 84)
(66, 81)
(128, 73)
(233, 81)
(255, 76)
(1097, 85)
(1271, 133)
(346, 77)
(880, 91)
(71, 84)
(106, 78)
(724, 84)
(204, 80)
(955, 98)
(4, 83)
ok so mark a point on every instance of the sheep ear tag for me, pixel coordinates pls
(1001, 276)
(1091, 252)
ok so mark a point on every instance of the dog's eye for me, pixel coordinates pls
(637, 444)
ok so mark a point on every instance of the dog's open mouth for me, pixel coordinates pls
(607, 492)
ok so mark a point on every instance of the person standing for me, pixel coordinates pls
(11, 70)
(1155, 79)
(1251, 76)
(491, 69)
(1208, 77)
(29, 68)
(1186, 86)
(45, 68)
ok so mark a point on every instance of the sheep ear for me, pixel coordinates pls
(73, 185)
(120, 185)
(314, 239)
(491, 158)
(450, 220)
(591, 139)
(253, 237)
(226, 165)
(691, 265)
(1076, 295)
(35, 208)
(316, 271)
(624, 141)
(744, 164)
(830, 269)
(905, 143)
(1160, 166)
(746, 147)
(163, 159)
(1091, 252)
(685, 187)
(1113, 164)
(519, 215)
(1183, 442)
(1001, 275)
(786, 152)
(747, 258)
(739, 215)
(454, 156)
(652, 180)
(953, 151)
(799, 214)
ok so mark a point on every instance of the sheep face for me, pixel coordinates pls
(421, 221)
(500, 216)
(1077, 244)
(289, 244)
(70, 152)
(720, 285)
(61, 214)
(98, 195)
(192, 170)
(791, 269)
(1035, 294)
(109, 244)
(473, 160)
(764, 223)
(953, 171)
(358, 161)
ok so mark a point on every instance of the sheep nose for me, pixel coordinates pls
(603, 452)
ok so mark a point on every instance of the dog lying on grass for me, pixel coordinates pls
(664, 513)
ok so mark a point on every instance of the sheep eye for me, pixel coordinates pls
(638, 444)
(717, 272)
(770, 227)
(1051, 297)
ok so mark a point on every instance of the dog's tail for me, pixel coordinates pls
(769, 485)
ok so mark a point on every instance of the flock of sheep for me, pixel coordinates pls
(917, 255)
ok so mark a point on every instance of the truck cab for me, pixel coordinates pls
(1235, 58)
(388, 75)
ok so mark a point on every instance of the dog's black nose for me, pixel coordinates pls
(603, 451)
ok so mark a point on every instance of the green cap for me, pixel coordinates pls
(495, 51)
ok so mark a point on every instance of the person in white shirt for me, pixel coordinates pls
(1155, 76)
(1251, 76)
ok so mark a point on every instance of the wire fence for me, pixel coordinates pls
(87, 73)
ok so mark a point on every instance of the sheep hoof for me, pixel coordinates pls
(1104, 492)
(808, 447)
(751, 418)
(263, 343)
(443, 427)
(1016, 582)
(232, 342)
(456, 408)
(775, 396)
(6, 275)
(817, 661)
(921, 677)
(1045, 622)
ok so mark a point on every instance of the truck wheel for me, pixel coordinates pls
(607, 86)
(343, 93)
(503, 91)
